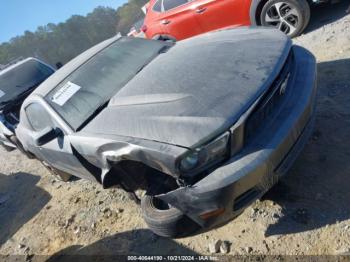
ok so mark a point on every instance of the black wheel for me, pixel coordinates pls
(306, 10)
(164, 220)
(61, 176)
(289, 16)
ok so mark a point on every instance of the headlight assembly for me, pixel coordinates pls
(190, 161)
(206, 155)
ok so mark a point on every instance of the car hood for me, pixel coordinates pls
(196, 90)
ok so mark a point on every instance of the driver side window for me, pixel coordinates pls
(38, 117)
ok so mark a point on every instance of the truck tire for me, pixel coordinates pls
(164, 220)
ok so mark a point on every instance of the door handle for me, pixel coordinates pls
(165, 22)
(200, 10)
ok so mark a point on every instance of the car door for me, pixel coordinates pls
(178, 20)
(216, 14)
(152, 24)
(58, 152)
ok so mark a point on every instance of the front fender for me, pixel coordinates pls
(105, 151)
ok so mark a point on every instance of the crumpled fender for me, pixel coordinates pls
(107, 151)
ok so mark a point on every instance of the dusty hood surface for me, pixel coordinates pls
(197, 89)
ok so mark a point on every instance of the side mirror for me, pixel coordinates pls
(46, 135)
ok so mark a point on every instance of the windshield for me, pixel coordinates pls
(22, 79)
(93, 84)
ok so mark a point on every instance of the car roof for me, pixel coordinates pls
(71, 66)
(13, 66)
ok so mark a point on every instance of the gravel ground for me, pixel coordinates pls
(306, 213)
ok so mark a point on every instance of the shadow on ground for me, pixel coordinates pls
(135, 242)
(324, 14)
(20, 201)
(315, 193)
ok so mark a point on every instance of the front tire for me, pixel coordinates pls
(289, 16)
(164, 220)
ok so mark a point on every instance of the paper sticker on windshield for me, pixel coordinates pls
(65, 93)
(1, 93)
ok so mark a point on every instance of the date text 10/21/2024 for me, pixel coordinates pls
(172, 258)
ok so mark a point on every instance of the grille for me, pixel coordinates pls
(270, 102)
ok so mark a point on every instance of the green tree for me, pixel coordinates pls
(61, 42)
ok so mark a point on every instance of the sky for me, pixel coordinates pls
(18, 16)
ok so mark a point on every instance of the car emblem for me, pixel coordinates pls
(283, 87)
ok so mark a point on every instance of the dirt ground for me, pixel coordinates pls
(308, 212)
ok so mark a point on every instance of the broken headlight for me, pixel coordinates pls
(206, 155)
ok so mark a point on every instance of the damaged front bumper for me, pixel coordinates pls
(256, 168)
(4, 134)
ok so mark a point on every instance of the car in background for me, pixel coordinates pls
(205, 126)
(135, 30)
(17, 81)
(180, 19)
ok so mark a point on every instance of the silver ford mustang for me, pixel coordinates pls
(205, 126)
